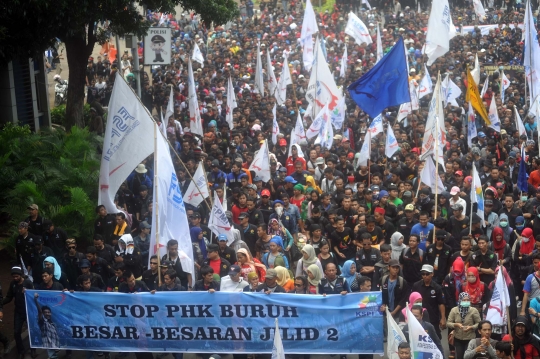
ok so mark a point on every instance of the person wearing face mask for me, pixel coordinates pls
(477, 290)
(499, 246)
(508, 231)
(520, 224)
(463, 320)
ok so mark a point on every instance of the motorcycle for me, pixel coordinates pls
(60, 90)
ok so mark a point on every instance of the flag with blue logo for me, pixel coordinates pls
(523, 176)
(422, 346)
(385, 85)
(477, 195)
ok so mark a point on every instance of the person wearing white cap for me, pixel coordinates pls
(456, 199)
(432, 298)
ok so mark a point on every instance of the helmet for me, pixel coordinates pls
(57, 77)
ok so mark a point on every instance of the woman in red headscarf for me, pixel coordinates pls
(522, 257)
(499, 246)
(478, 291)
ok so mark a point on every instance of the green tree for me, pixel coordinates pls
(57, 170)
(29, 27)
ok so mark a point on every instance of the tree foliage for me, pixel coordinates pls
(56, 170)
(29, 27)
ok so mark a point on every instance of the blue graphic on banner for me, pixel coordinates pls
(204, 322)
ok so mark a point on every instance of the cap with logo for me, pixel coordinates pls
(235, 270)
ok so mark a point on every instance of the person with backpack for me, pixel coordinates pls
(395, 290)
(462, 323)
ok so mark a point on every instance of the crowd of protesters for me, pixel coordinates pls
(322, 225)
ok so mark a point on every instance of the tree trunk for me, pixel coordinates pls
(77, 51)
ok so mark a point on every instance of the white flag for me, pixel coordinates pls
(493, 115)
(356, 28)
(195, 121)
(380, 51)
(531, 54)
(428, 174)
(194, 195)
(170, 107)
(404, 110)
(298, 134)
(535, 111)
(337, 115)
(471, 125)
(231, 103)
(309, 27)
(477, 194)
(421, 343)
(434, 132)
(440, 31)
(366, 2)
(484, 87)
(317, 124)
(326, 138)
(426, 85)
(277, 349)
(500, 300)
(128, 141)
(479, 10)
(392, 144)
(343, 68)
(197, 55)
(275, 126)
(261, 163)
(365, 151)
(171, 212)
(284, 80)
(505, 84)
(376, 126)
(475, 73)
(450, 91)
(271, 77)
(218, 222)
(322, 88)
(307, 53)
(259, 80)
(415, 104)
(395, 336)
(519, 123)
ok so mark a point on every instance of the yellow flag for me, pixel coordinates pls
(474, 97)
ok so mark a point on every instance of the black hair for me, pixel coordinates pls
(482, 322)
(98, 237)
(83, 278)
(363, 279)
(119, 266)
(365, 236)
(370, 219)
(303, 279)
(127, 274)
(404, 345)
(171, 273)
(505, 347)
(263, 226)
(385, 248)
(91, 250)
(154, 257)
(121, 215)
(172, 242)
(206, 270)
(98, 208)
(49, 271)
(482, 237)
(46, 307)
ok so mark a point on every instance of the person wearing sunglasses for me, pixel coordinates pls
(300, 285)
(433, 298)
(71, 263)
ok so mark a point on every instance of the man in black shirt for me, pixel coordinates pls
(438, 255)
(34, 220)
(411, 260)
(150, 276)
(342, 241)
(386, 227)
(432, 298)
(406, 223)
(374, 232)
(131, 285)
(15, 292)
(24, 245)
(104, 224)
(48, 282)
(476, 230)
(99, 265)
(38, 256)
(332, 283)
(367, 257)
(103, 250)
(485, 260)
(54, 238)
(250, 231)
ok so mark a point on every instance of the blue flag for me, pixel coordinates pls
(385, 85)
(523, 176)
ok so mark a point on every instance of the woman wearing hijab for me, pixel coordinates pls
(314, 278)
(523, 249)
(314, 201)
(311, 184)
(500, 330)
(199, 245)
(508, 232)
(59, 276)
(275, 229)
(396, 242)
(253, 281)
(249, 265)
(463, 320)
(478, 291)
(415, 298)
(453, 282)
(298, 197)
(501, 249)
(349, 273)
(284, 278)
(308, 258)
(276, 251)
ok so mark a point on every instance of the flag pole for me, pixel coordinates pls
(437, 129)
(156, 209)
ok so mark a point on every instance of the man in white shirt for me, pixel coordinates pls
(456, 199)
(234, 281)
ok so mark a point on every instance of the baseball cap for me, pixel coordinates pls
(375, 188)
(512, 154)
(33, 206)
(243, 215)
(265, 193)
(481, 134)
(488, 202)
(459, 173)
(222, 237)
(257, 179)
(319, 161)
(283, 142)
(85, 263)
(440, 233)
(455, 190)
(393, 263)
(383, 193)
(407, 194)
(289, 179)
(16, 270)
(235, 270)
(427, 268)
(468, 179)
(271, 273)
(409, 207)
(282, 169)
(23, 225)
(144, 225)
(38, 240)
(215, 163)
